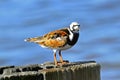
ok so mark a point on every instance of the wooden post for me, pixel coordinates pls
(88, 70)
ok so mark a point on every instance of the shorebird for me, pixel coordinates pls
(58, 40)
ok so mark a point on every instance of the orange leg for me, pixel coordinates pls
(55, 60)
(61, 59)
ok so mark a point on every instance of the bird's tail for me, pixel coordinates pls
(35, 39)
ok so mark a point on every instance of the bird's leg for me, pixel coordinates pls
(55, 59)
(61, 59)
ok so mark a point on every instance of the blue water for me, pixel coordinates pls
(99, 35)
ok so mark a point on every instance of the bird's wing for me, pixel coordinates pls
(54, 39)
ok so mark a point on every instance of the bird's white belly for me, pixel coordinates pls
(60, 48)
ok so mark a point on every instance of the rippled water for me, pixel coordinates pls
(99, 40)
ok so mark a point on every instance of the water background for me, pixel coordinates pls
(99, 35)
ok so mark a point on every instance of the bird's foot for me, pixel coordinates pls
(62, 63)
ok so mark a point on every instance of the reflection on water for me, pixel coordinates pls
(99, 38)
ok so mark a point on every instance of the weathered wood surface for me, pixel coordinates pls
(88, 70)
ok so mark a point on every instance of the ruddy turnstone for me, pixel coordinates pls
(58, 40)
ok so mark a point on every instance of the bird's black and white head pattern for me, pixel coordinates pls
(74, 31)
(74, 27)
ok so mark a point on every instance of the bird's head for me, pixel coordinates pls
(75, 26)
